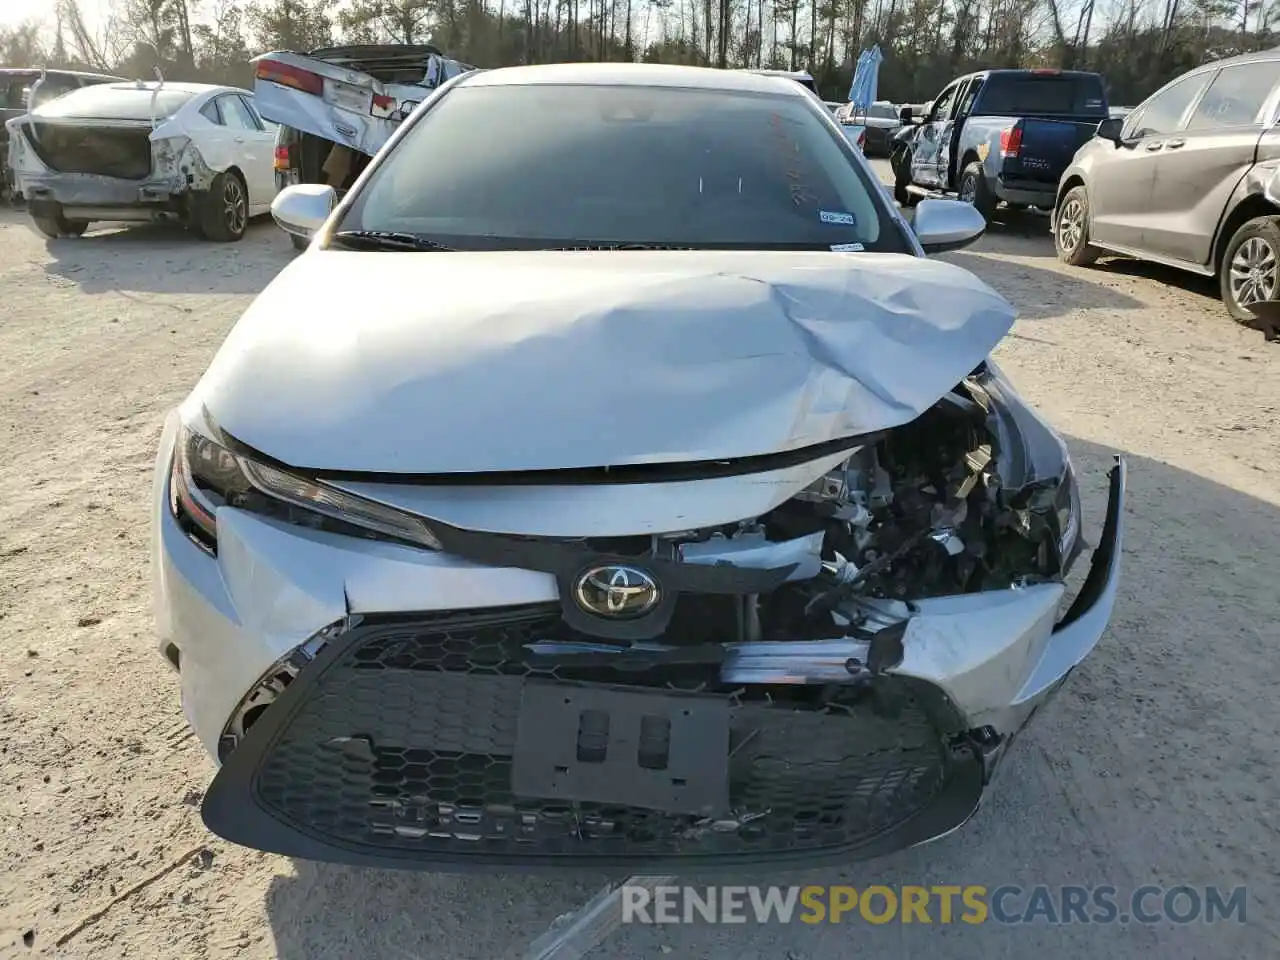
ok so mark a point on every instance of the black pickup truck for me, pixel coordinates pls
(998, 135)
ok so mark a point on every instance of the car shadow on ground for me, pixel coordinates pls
(1039, 293)
(1206, 287)
(1019, 233)
(1120, 780)
(168, 259)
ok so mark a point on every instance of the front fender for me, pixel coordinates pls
(1073, 175)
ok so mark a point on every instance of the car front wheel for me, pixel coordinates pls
(1251, 267)
(974, 189)
(1071, 229)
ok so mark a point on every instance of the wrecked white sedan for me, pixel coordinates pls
(636, 494)
(139, 151)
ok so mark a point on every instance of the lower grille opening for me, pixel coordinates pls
(407, 744)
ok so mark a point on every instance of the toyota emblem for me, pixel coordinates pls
(617, 592)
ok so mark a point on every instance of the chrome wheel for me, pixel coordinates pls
(1253, 272)
(235, 205)
(1071, 225)
(968, 189)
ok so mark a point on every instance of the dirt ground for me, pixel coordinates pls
(1156, 764)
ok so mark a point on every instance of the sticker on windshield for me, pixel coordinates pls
(1090, 104)
(843, 218)
(846, 248)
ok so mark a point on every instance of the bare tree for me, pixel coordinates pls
(83, 45)
(1137, 44)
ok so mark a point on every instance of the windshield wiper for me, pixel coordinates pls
(384, 240)
(716, 245)
(612, 245)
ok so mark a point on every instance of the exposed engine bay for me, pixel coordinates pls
(925, 511)
(954, 502)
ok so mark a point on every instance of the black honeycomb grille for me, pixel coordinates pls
(406, 742)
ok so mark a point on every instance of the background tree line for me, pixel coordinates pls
(1137, 44)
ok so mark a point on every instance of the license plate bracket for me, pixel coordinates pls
(347, 97)
(661, 750)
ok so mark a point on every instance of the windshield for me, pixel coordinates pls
(624, 165)
(116, 101)
(882, 111)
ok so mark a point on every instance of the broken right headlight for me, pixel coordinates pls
(1067, 506)
(207, 475)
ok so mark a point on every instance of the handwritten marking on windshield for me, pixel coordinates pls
(789, 154)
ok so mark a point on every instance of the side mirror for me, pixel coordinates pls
(942, 225)
(303, 208)
(904, 115)
(1109, 129)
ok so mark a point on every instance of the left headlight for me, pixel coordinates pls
(206, 475)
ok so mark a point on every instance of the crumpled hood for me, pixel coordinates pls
(466, 362)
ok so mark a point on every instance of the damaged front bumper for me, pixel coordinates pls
(429, 712)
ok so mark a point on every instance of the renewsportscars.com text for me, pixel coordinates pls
(943, 904)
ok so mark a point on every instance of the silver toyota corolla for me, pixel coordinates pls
(637, 493)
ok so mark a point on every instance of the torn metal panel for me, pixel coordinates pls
(702, 355)
(752, 551)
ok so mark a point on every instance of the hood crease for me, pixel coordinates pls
(517, 361)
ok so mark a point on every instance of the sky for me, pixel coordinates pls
(13, 12)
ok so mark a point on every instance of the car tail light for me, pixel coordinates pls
(383, 105)
(1010, 142)
(282, 158)
(290, 76)
(1046, 71)
(862, 139)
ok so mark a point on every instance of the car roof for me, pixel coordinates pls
(376, 50)
(1030, 71)
(792, 74)
(177, 86)
(55, 71)
(73, 99)
(636, 75)
(1257, 56)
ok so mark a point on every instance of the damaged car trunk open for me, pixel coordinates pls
(337, 106)
(122, 152)
(349, 97)
(618, 556)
